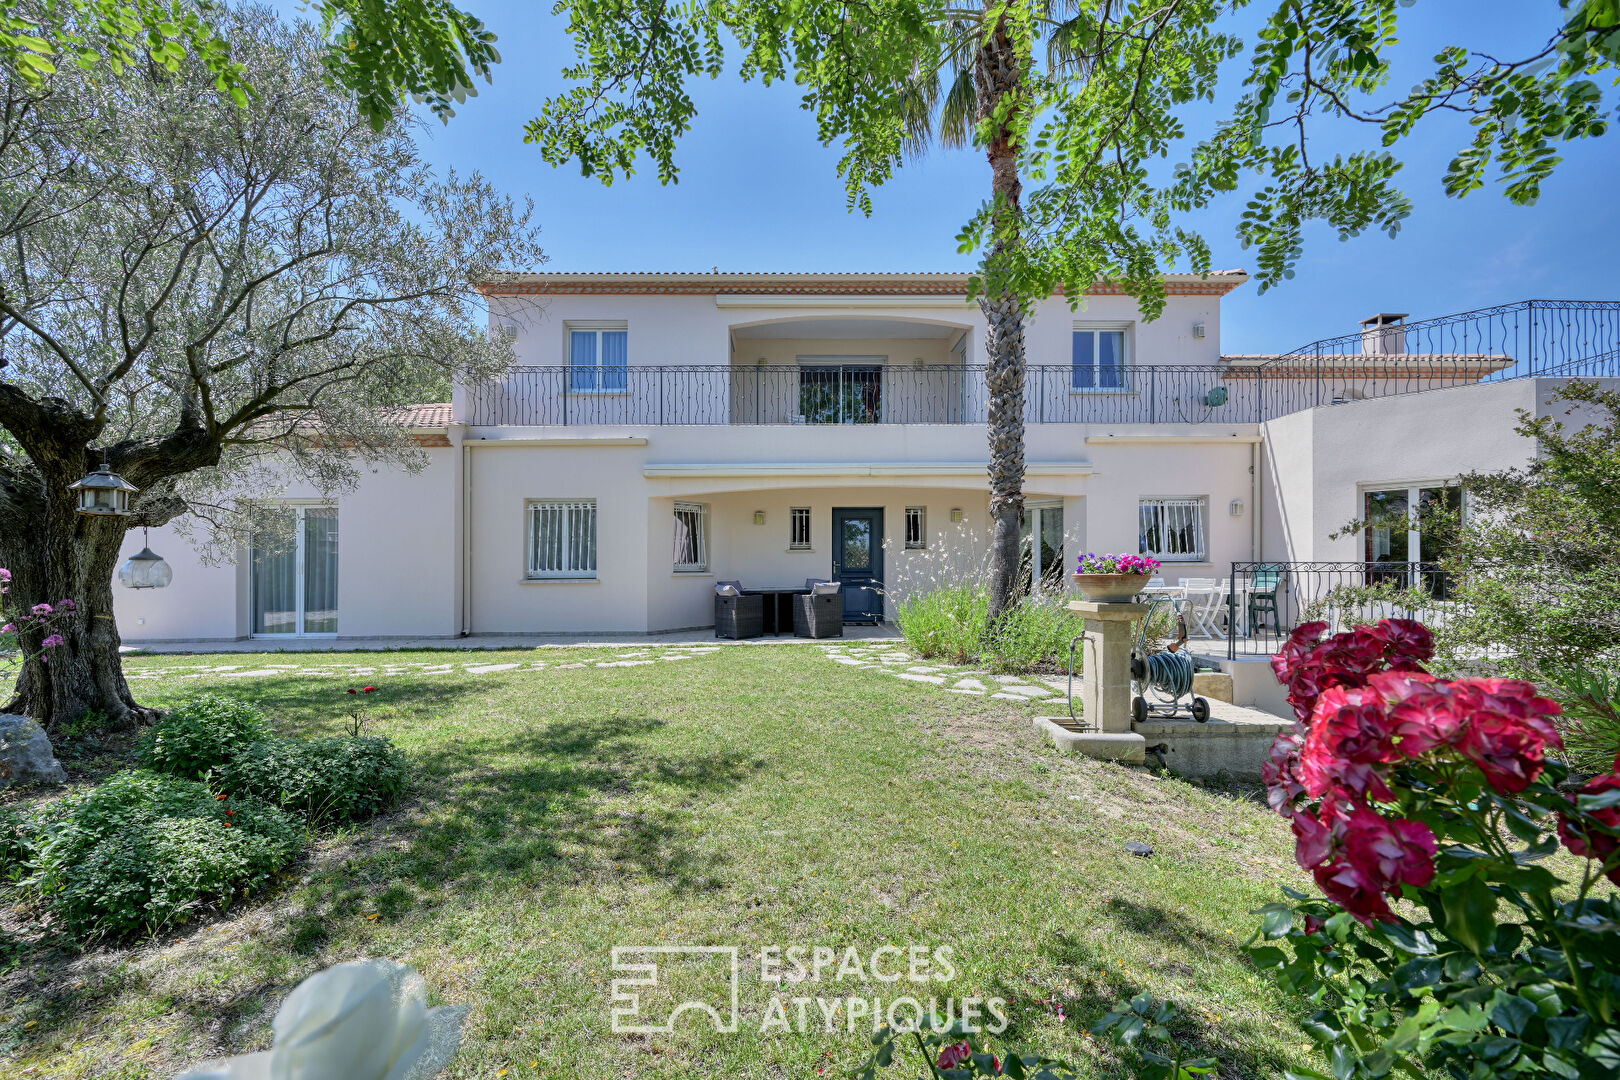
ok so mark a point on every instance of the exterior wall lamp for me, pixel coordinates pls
(956, 513)
(759, 517)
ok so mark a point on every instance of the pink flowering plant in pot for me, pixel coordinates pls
(1427, 811)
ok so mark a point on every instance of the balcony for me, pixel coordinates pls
(833, 393)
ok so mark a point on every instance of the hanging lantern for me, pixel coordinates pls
(104, 492)
(145, 569)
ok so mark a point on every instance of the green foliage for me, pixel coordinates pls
(339, 778)
(1591, 721)
(16, 843)
(948, 621)
(382, 53)
(143, 851)
(951, 1051)
(1144, 1024)
(1091, 98)
(199, 735)
(1536, 561)
(951, 622)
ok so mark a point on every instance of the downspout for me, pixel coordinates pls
(466, 537)
(1254, 500)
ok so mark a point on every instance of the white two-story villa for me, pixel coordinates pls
(665, 431)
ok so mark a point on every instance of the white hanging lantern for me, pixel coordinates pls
(145, 569)
(104, 492)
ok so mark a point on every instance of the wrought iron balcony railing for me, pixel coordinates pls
(1532, 338)
(936, 393)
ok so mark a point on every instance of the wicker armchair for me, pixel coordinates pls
(737, 616)
(820, 613)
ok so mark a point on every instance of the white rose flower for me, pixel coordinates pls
(364, 1020)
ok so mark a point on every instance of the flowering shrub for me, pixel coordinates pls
(1424, 809)
(1092, 563)
(42, 621)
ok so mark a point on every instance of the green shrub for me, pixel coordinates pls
(1035, 632)
(200, 734)
(1590, 723)
(16, 843)
(948, 621)
(952, 622)
(144, 851)
(339, 778)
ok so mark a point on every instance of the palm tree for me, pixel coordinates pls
(977, 88)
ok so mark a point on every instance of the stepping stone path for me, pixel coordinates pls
(954, 679)
(882, 657)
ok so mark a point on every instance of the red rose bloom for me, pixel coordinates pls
(1398, 852)
(1587, 842)
(1508, 752)
(1280, 772)
(1313, 840)
(1346, 885)
(953, 1055)
(1349, 740)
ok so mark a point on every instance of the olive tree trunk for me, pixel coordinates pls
(69, 557)
(997, 73)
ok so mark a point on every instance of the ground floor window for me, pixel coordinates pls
(916, 527)
(1041, 554)
(799, 528)
(691, 537)
(294, 572)
(1172, 530)
(562, 539)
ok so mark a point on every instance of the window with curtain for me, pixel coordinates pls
(562, 539)
(1172, 530)
(799, 528)
(1099, 359)
(599, 357)
(293, 572)
(691, 537)
(916, 527)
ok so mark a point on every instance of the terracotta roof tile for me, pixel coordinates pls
(435, 415)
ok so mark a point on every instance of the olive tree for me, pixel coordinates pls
(197, 291)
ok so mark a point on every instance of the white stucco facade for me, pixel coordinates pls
(715, 410)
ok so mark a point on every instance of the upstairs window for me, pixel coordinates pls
(691, 537)
(799, 528)
(1172, 530)
(916, 527)
(1098, 359)
(599, 356)
(562, 539)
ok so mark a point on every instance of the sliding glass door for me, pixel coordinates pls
(841, 394)
(294, 574)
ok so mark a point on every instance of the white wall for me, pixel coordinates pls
(397, 565)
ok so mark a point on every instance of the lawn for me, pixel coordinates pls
(743, 796)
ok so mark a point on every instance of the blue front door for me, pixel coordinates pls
(858, 562)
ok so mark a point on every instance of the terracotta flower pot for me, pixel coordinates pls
(1110, 588)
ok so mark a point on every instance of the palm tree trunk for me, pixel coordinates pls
(997, 73)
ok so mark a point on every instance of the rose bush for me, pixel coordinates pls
(1424, 809)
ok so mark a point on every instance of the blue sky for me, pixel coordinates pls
(757, 192)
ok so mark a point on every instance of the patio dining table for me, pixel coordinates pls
(778, 607)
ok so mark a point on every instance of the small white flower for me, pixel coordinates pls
(364, 1020)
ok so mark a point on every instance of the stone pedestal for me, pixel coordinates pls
(1105, 687)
